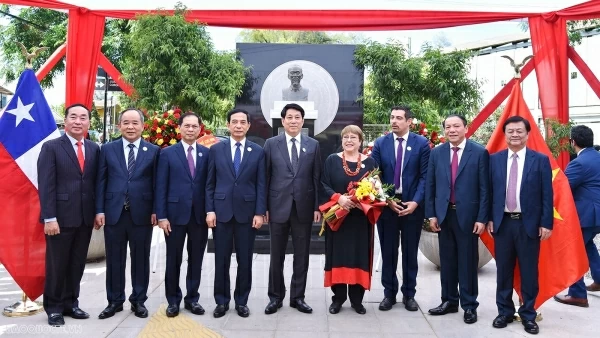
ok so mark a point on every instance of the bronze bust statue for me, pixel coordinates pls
(295, 92)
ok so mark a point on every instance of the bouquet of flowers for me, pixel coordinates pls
(162, 128)
(431, 135)
(368, 192)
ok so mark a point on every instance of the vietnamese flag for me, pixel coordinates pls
(563, 259)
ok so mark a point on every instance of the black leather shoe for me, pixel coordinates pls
(56, 319)
(387, 303)
(77, 313)
(359, 308)
(501, 321)
(301, 306)
(139, 310)
(335, 308)
(242, 310)
(531, 326)
(410, 303)
(172, 310)
(272, 307)
(443, 309)
(110, 310)
(220, 310)
(470, 316)
(195, 308)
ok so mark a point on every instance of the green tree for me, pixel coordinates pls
(432, 84)
(172, 62)
(44, 27)
(574, 28)
(307, 37)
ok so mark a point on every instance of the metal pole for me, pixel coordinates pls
(105, 103)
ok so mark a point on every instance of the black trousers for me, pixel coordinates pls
(116, 238)
(197, 236)
(65, 261)
(225, 235)
(301, 241)
(341, 292)
(393, 231)
(459, 257)
(511, 245)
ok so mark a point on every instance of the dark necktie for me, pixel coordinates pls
(294, 156)
(237, 159)
(190, 159)
(453, 172)
(511, 190)
(130, 167)
(398, 169)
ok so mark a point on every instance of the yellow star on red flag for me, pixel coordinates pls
(554, 173)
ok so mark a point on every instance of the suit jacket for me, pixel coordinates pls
(240, 197)
(414, 167)
(176, 190)
(113, 182)
(535, 196)
(285, 187)
(471, 190)
(65, 192)
(584, 178)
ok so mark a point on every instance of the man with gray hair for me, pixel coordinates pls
(125, 204)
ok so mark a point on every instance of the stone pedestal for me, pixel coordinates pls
(96, 249)
(429, 246)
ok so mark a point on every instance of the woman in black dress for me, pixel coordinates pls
(349, 250)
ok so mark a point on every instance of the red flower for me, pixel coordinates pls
(442, 139)
(423, 125)
(154, 128)
(179, 137)
(155, 123)
(176, 111)
(166, 114)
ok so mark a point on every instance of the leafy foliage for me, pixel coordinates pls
(432, 84)
(307, 37)
(45, 28)
(558, 135)
(171, 62)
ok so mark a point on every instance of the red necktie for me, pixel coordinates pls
(80, 155)
(453, 172)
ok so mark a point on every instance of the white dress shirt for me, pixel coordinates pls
(233, 148)
(396, 143)
(136, 147)
(521, 163)
(288, 140)
(185, 150)
(74, 143)
(461, 150)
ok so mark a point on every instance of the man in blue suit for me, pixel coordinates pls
(125, 203)
(402, 157)
(521, 217)
(180, 201)
(584, 178)
(457, 206)
(235, 206)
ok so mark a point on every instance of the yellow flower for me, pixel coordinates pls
(145, 136)
(158, 130)
(173, 141)
(170, 112)
(160, 141)
(365, 188)
(177, 130)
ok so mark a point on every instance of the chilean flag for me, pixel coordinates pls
(25, 124)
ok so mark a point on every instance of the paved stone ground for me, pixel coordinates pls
(558, 320)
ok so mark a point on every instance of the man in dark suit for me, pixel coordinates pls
(521, 216)
(235, 206)
(402, 157)
(584, 178)
(293, 163)
(457, 206)
(67, 167)
(180, 201)
(125, 203)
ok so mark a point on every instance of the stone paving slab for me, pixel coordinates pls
(558, 320)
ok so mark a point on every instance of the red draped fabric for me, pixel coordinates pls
(84, 40)
(53, 4)
(585, 70)
(549, 41)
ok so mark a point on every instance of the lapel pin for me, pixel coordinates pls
(408, 148)
(362, 165)
(144, 149)
(304, 149)
(249, 149)
(199, 154)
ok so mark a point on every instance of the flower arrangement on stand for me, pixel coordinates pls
(162, 128)
(429, 133)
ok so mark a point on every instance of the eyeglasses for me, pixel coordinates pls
(350, 137)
